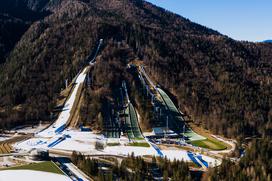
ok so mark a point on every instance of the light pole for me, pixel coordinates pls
(66, 83)
(165, 132)
(183, 132)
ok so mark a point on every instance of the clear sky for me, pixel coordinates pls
(239, 19)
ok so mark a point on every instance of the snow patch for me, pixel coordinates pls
(15, 175)
(64, 116)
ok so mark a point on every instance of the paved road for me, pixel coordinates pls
(14, 154)
(71, 170)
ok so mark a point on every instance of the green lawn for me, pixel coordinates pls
(47, 166)
(194, 138)
(209, 144)
(143, 144)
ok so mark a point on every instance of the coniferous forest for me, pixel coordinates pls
(221, 84)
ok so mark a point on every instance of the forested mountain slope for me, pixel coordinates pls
(7, 35)
(15, 18)
(254, 165)
(222, 83)
(268, 41)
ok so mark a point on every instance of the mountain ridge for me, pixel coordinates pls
(214, 79)
(267, 41)
(16, 17)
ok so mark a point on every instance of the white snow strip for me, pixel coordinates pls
(73, 145)
(65, 114)
(176, 154)
(3, 138)
(32, 143)
(211, 161)
(125, 150)
(75, 141)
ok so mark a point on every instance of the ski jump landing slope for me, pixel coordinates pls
(65, 115)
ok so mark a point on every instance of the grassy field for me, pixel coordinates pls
(197, 136)
(144, 144)
(206, 133)
(47, 166)
(209, 144)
